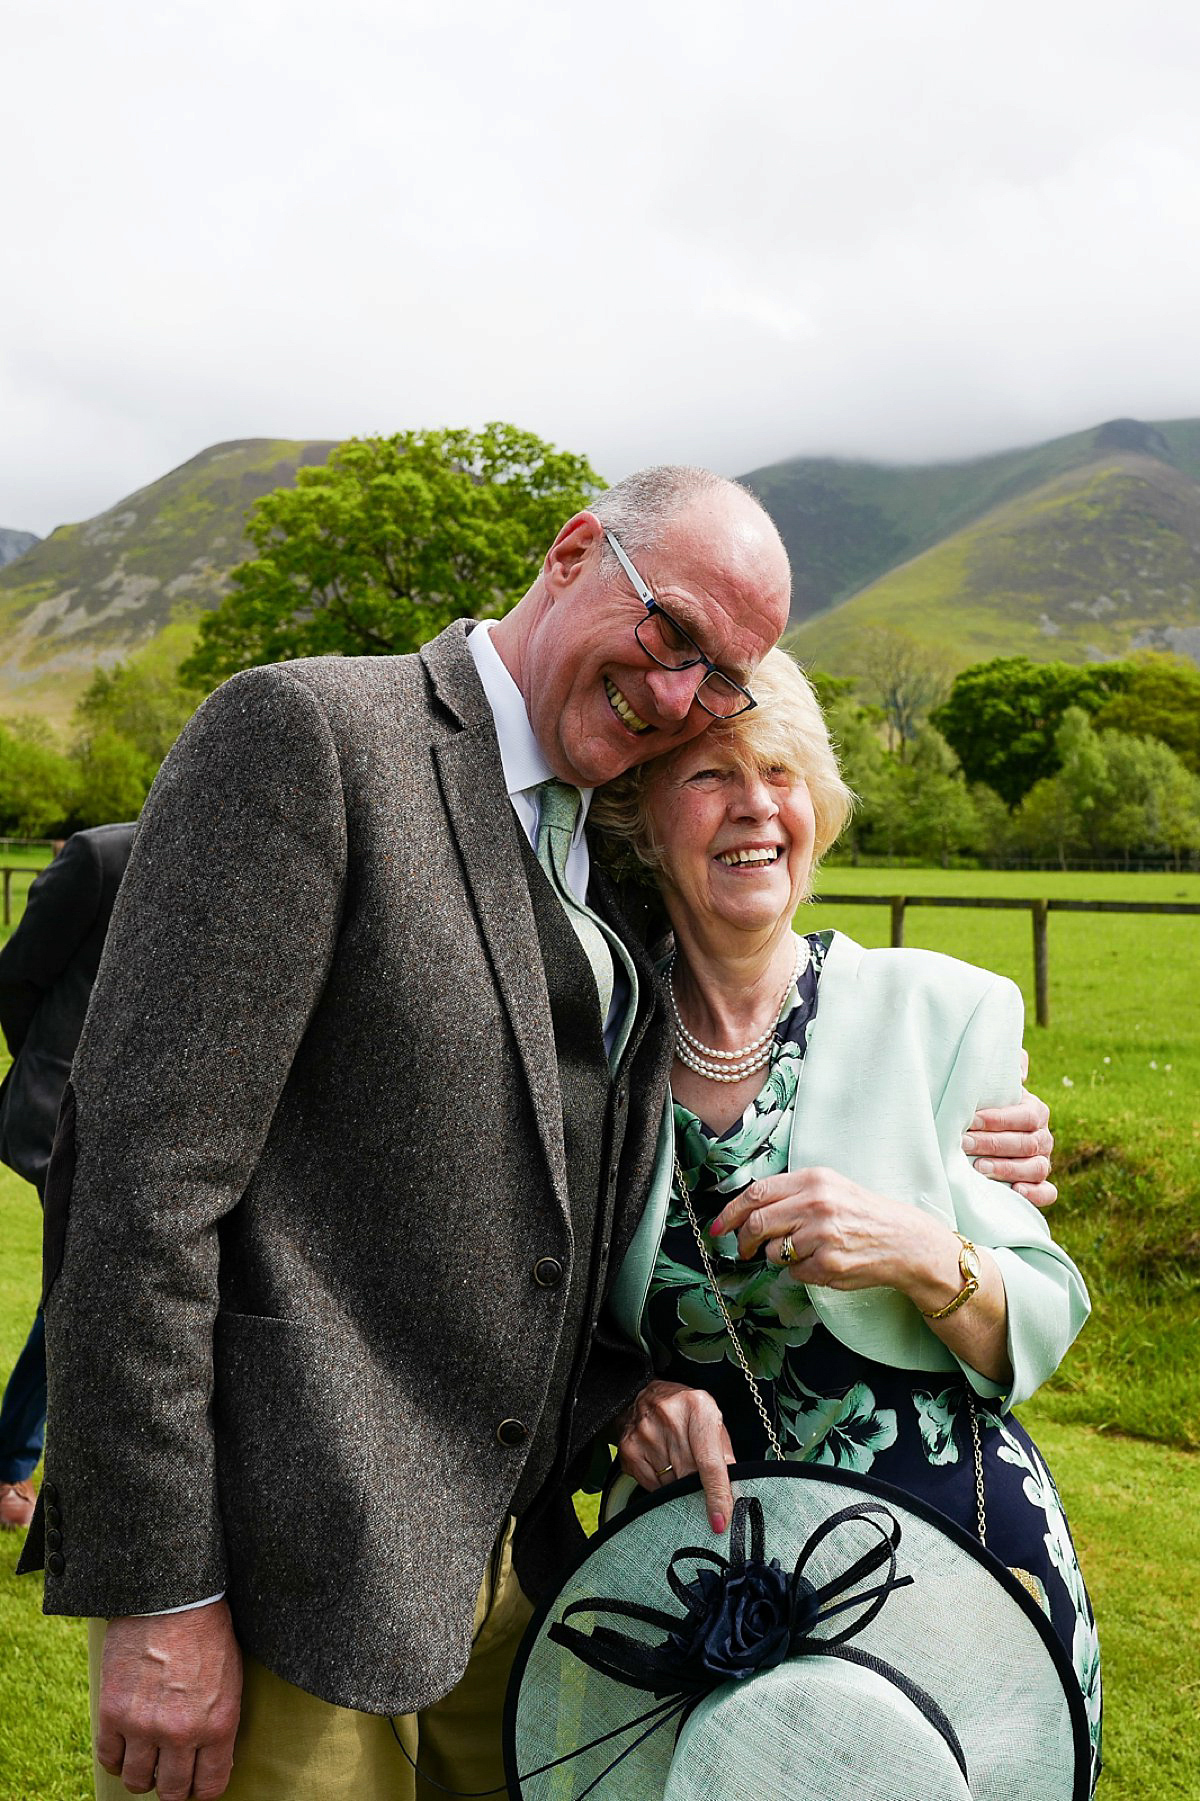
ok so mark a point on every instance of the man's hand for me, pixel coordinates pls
(170, 1699)
(671, 1431)
(1013, 1144)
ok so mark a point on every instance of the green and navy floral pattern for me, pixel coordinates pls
(828, 1404)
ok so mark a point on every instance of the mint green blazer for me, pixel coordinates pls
(905, 1046)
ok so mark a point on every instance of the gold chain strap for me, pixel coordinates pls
(977, 1447)
(738, 1352)
(772, 1437)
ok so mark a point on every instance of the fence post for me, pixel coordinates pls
(8, 896)
(898, 905)
(1041, 961)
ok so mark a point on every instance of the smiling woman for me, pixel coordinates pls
(820, 1274)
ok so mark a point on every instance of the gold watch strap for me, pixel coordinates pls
(970, 1280)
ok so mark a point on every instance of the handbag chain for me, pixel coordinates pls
(756, 1394)
(706, 1260)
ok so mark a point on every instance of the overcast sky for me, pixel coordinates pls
(664, 230)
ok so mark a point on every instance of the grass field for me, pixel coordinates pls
(1120, 1065)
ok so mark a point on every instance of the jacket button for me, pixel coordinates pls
(53, 1516)
(53, 1539)
(511, 1433)
(622, 1098)
(56, 1563)
(547, 1272)
(50, 1493)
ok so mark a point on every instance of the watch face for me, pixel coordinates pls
(969, 1262)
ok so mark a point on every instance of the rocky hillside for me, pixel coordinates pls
(1100, 559)
(89, 594)
(15, 544)
(847, 524)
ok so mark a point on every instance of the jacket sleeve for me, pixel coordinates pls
(218, 950)
(62, 904)
(1046, 1297)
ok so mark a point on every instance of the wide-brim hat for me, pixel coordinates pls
(845, 1640)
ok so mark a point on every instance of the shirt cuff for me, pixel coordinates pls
(160, 1613)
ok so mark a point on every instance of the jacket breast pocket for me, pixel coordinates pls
(291, 1434)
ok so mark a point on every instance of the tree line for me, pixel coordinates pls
(376, 550)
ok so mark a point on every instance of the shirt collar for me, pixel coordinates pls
(521, 756)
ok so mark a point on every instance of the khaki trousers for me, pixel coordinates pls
(293, 1747)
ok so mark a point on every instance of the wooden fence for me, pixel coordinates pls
(8, 871)
(1039, 910)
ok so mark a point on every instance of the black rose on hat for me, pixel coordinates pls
(739, 1621)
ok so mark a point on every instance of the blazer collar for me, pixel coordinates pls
(481, 818)
(453, 676)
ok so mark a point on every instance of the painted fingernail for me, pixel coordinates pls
(984, 1165)
(718, 1522)
(968, 1143)
(717, 1227)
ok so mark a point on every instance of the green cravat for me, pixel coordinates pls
(559, 812)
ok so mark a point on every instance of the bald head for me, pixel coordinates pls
(713, 560)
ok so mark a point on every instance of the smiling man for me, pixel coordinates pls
(361, 1121)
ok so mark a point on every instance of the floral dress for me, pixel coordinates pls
(829, 1404)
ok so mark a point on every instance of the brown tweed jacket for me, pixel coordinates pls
(311, 1151)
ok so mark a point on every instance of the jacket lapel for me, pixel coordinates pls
(484, 827)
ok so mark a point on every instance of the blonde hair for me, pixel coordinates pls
(786, 730)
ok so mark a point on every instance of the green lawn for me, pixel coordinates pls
(1129, 1166)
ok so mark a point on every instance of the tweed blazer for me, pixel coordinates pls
(311, 1152)
(906, 1045)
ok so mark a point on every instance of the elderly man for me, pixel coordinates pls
(360, 1123)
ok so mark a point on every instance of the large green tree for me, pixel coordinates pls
(378, 549)
(1001, 718)
(1161, 700)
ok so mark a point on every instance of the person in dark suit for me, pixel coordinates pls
(359, 1125)
(46, 973)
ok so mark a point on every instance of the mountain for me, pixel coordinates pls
(1099, 557)
(15, 544)
(89, 594)
(1087, 546)
(846, 524)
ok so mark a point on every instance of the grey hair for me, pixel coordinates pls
(637, 509)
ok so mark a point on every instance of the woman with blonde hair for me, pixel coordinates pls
(821, 1273)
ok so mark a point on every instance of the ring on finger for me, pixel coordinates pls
(787, 1250)
(666, 1469)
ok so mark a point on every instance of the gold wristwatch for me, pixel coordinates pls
(970, 1269)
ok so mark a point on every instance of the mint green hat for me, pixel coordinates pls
(845, 1642)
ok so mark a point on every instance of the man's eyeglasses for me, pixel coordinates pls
(665, 641)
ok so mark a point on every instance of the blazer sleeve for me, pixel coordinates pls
(219, 948)
(62, 905)
(1046, 1297)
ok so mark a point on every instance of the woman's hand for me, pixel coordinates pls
(672, 1431)
(842, 1235)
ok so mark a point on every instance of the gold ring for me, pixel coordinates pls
(787, 1250)
(667, 1469)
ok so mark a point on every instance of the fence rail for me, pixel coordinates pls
(8, 871)
(1039, 911)
(899, 904)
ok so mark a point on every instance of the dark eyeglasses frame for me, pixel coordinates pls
(651, 605)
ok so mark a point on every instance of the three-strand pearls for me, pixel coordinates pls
(735, 1065)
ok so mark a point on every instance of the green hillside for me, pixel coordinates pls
(90, 594)
(846, 524)
(1093, 563)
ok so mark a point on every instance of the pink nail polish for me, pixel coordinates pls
(715, 1228)
(718, 1522)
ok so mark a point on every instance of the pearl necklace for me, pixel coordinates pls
(736, 1065)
